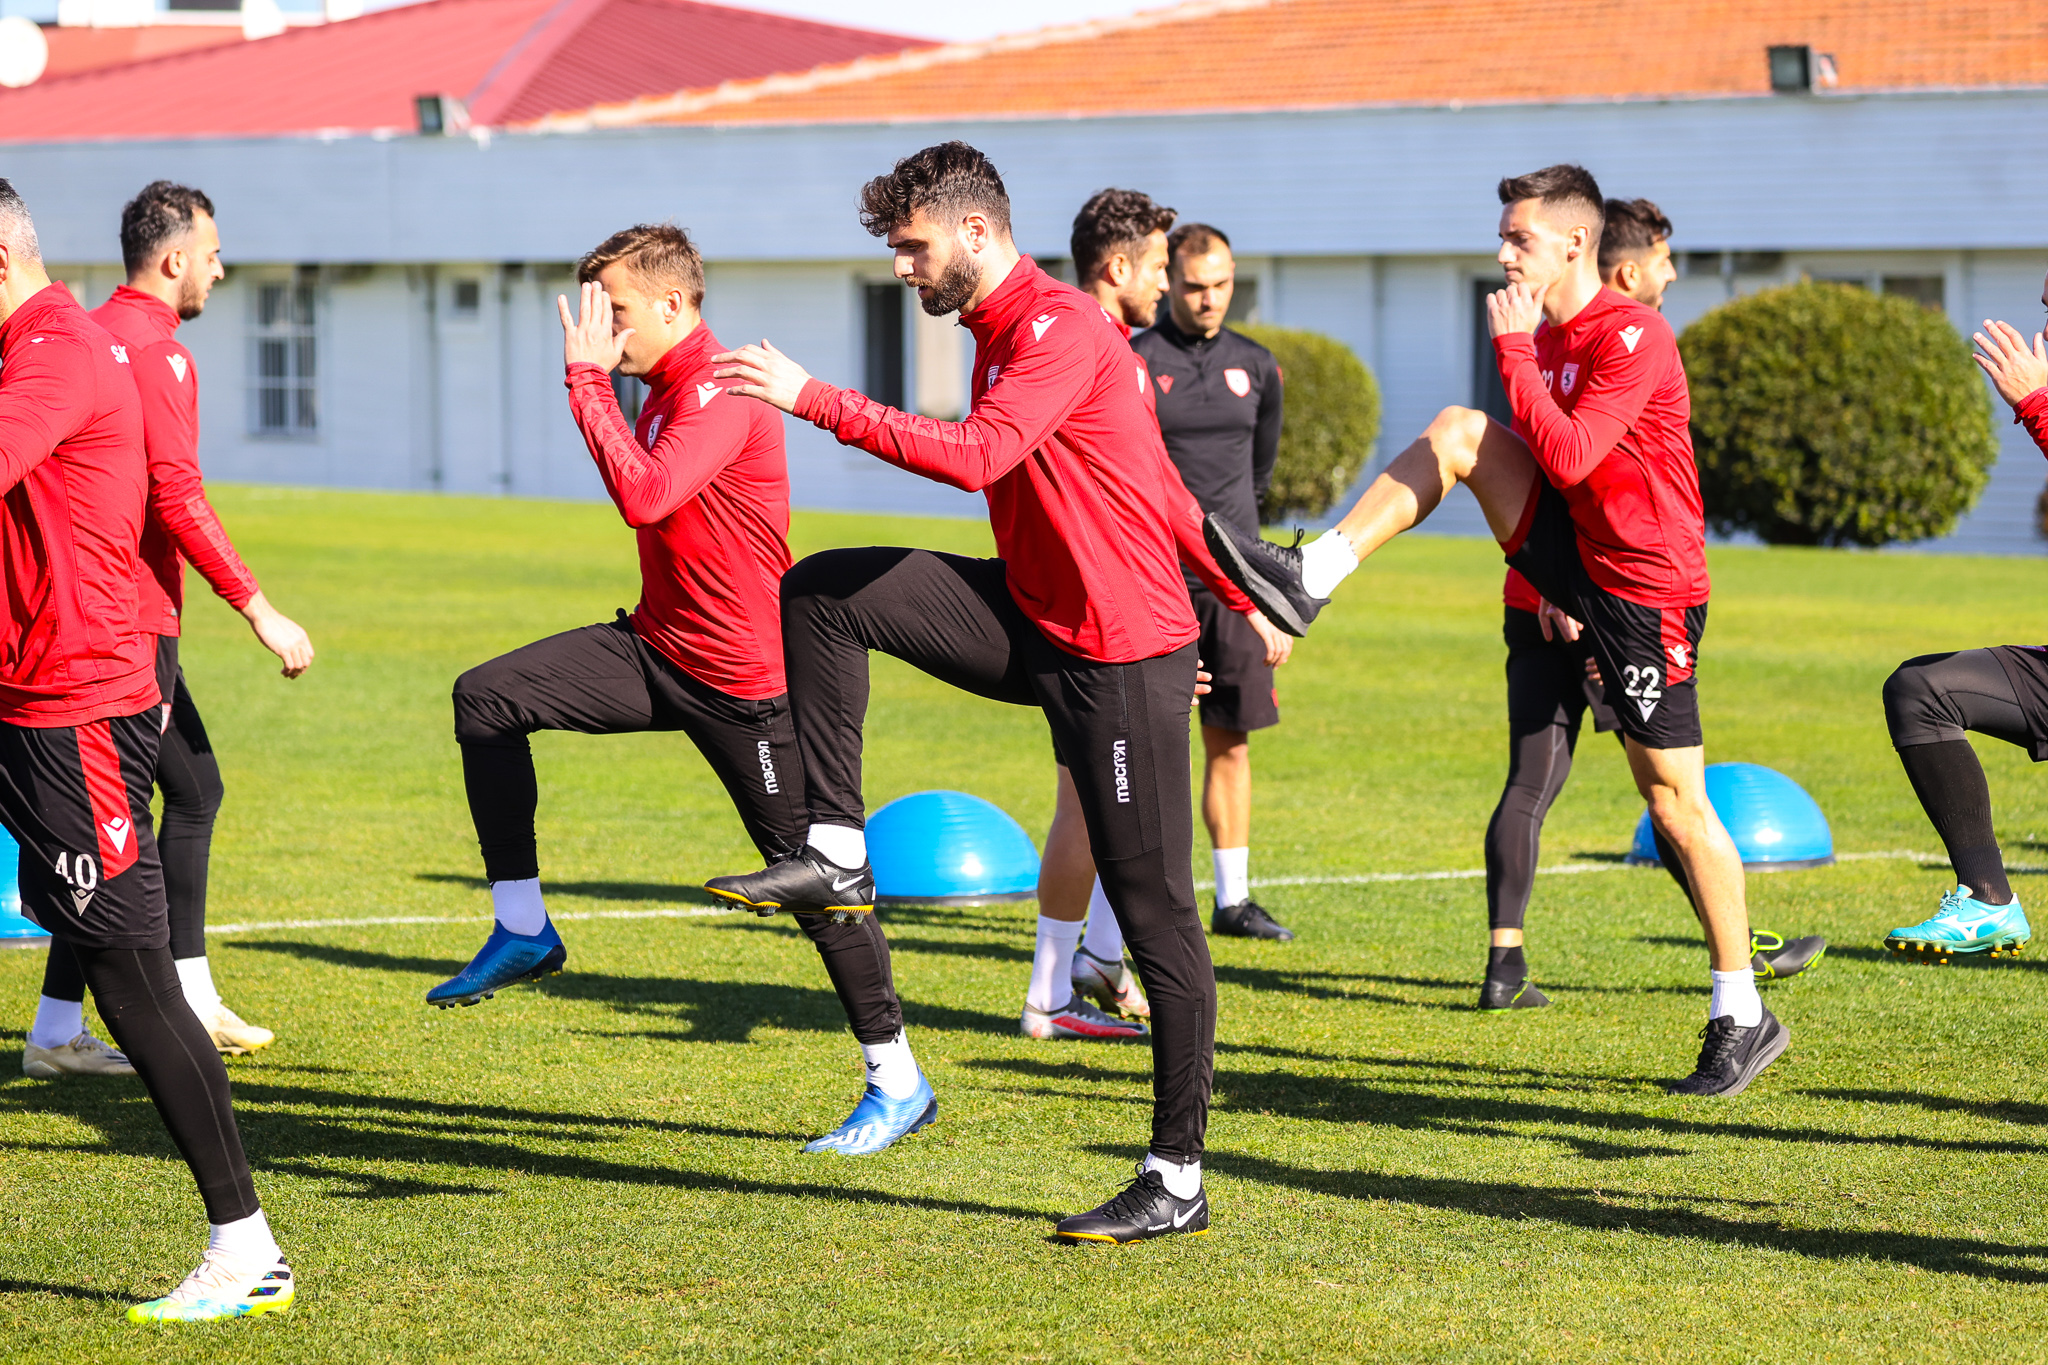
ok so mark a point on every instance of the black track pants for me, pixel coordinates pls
(606, 680)
(1121, 728)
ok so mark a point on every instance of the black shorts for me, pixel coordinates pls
(1647, 654)
(77, 801)
(1240, 695)
(2026, 668)
(1547, 682)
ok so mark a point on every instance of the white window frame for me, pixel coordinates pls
(284, 356)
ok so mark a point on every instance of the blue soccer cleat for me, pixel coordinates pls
(505, 959)
(877, 1121)
(1963, 925)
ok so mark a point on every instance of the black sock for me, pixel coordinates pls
(1949, 781)
(1507, 964)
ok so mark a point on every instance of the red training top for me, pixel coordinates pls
(2032, 412)
(1061, 442)
(73, 471)
(704, 483)
(1603, 404)
(181, 525)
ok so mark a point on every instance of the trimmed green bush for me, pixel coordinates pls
(1824, 414)
(1332, 418)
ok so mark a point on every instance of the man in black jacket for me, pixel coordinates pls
(1219, 410)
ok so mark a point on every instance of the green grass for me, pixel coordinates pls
(605, 1167)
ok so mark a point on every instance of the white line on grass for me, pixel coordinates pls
(1356, 879)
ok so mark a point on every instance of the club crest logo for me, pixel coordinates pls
(1238, 382)
(1569, 379)
(1166, 383)
(177, 366)
(994, 371)
(653, 429)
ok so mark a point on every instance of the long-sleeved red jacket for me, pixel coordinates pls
(2032, 413)
(72, 484)
(1059, 438)
(703, 481)
(1602, 402)
(182, 525)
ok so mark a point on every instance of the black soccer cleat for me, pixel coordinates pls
(1269, 574)
(1248, 919)
(806, 882)
(1775, 957)
(1732, 1056)
(1511, 993)
(1145, 1209)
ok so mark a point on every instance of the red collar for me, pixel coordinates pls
(681, 358)
(1014, 298)
(52, 298)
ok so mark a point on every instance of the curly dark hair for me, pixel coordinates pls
(660, 255)
(157, 217)
(1563, 187)
(945, 183)
(1633, 226)
(1112, 222)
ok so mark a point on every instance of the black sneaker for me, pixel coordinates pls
(1775, 957)
(1248, 919)
(1511, 993)
(1269, 574)
(1146, 1208)
(1732, 1056)
(805, 882)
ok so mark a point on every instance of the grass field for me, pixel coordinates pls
(606, 1167)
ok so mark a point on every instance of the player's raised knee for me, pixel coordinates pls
(1455, 436)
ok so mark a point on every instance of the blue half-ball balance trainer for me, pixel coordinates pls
(949, 848)
(1775, 824)
(16, 929)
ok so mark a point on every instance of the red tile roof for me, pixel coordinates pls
(73, 50)
(1290, 54)
(508, 60)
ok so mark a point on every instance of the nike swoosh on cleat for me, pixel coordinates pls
(1180, 1220)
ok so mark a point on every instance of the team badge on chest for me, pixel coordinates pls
(1239, 382)
(1569, 379)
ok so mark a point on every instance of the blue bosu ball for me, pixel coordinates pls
(16, 931)
(949, 848)
(1775, 824)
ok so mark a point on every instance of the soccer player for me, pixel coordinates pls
(1932, 701)
(1595, 500)
(1083, 615)
(1219, 396)
(1552, 684)
(171, 247)
(702, 480)
(79, 719)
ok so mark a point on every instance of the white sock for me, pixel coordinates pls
(519, 906)
(246, 1241)
(197, 979)
(57, 1022)
(1053, 965)
(1326, 561)
(1233, 876)
(1735, 993)
(842, 847)
(891, 1066)
(1105, 937)
(1182, 1182)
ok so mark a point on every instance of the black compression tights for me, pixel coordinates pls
(1929, 704)
(137, 993)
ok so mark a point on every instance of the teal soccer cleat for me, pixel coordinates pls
(1963, 925)
(504, 959)
(878, 1121)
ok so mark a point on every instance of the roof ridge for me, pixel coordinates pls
(543, 38)
(649, 108)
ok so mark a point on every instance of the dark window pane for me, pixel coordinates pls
(271, 409)
(1928, 291)
(631, 393)
(304, 409)
(302, 306)
(271, 359)
(270, 305)
(883, 305)
(303, 354)
(1489, 395)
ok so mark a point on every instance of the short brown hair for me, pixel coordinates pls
(1562, 186)
(1195, 239)
(1113, 221)
(946, 183)
(1632, 227)
(660, 256)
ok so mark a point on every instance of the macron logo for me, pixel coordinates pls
(1630, 336)
(117, 830)
(1678, 653)
(706, 392)
(177, 366)
(1039, 324)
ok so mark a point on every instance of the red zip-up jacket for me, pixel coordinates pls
(1059, 439)
(74, 477)
(181, 525)
(1603, 403)
(703, 481)
(2032, 413)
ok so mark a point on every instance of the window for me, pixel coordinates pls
(1244, 302)
(466, 299)
(1926, 290)
(283, 394)
(631, 391)
(1489, 395)
(882, 331)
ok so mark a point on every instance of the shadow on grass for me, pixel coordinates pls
(994, 952)
(597, 891)
(1672, 1216)
(360, 959)
(1971, 961)
(64, 1291)
(2005, 1111)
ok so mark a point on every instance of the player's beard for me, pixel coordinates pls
(191, 298)
(1138, 310)
(956, 284)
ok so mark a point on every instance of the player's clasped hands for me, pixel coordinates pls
(2016, 369)
(1517, 308)
(588, 338)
